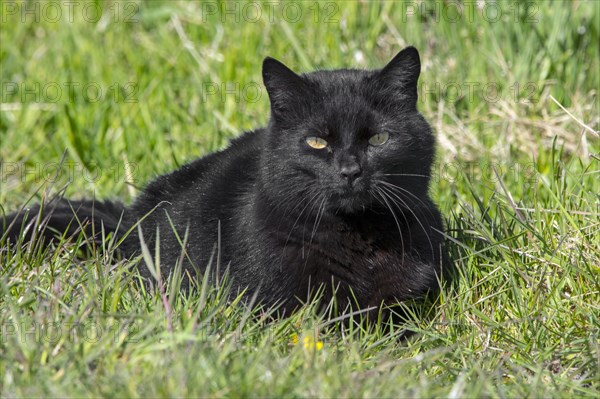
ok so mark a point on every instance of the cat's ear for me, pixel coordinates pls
(403, 72)
(285, 88)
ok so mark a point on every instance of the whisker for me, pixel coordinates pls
(383, 197)
(406, 175)
(320, 213)
(414, 214)
(295, 223)
(404, 191)
(315, 201)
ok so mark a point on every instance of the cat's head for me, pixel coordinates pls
(346, 140)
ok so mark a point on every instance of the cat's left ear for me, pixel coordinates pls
(403, 71)
(285, 88)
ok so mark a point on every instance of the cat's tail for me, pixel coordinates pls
(62, 217)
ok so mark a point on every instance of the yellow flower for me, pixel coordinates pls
(294, 339)
(309, 343)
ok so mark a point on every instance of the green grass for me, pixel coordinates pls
(517, 179)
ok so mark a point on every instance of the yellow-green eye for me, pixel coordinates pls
(379, 139)
(316, 142)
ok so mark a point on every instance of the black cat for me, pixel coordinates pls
(332, 194)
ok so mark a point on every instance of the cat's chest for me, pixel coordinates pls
(337, 250)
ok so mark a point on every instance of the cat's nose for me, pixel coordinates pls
(350, 171)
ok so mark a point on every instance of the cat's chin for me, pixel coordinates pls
(350, 204)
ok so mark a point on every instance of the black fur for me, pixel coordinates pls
(352, 217)
(61, 216)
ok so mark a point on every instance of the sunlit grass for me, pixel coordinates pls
(516, 178)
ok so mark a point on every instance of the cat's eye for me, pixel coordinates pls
(316, 142)
(379, 139)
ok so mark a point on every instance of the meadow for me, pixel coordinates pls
(97, 98)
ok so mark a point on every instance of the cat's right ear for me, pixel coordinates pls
(285, 88)
(402, 72)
